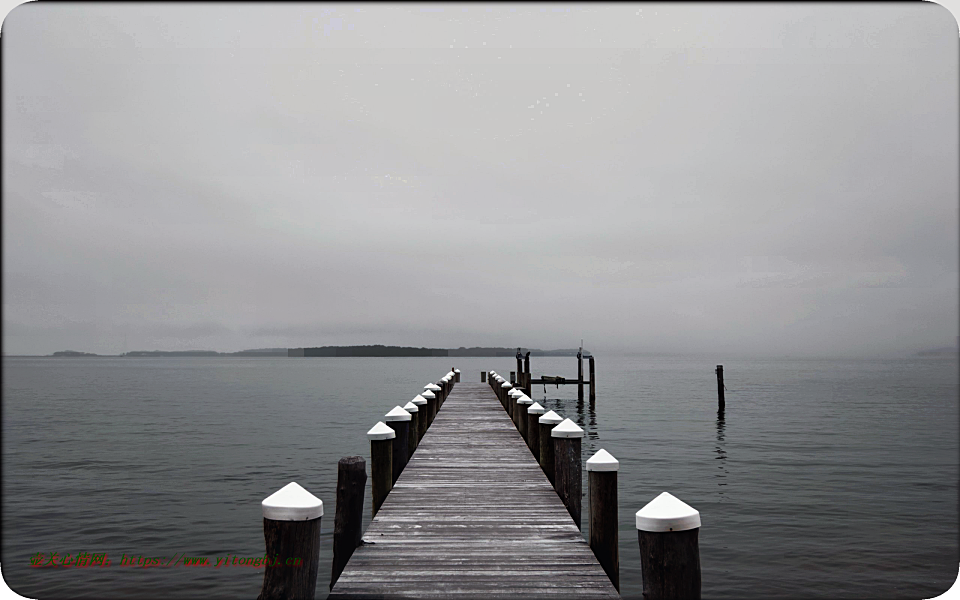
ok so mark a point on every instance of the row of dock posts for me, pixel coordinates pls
(291, 515)
(667, 528)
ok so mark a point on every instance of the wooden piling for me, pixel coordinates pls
(431, 405)
(547, 422)
(348, 521)
(719, 372)
(512, 396)
(533, 428)
(580, 376)
(505, 388)
(414, 437)
(457, 378)
(668, 531)
(602, 470)
(381, 463)
(513, 377)
(568, 469)
(291, 529)
(593, 386)
(399, 421)
(526, 371)
(421, 404)
(523, 402)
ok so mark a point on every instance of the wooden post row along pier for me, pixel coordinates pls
(457, 512)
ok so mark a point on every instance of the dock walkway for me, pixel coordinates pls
(473, 515)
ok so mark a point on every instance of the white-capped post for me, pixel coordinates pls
(567, 466)
(433, 401)
(669, 532)
(505, 388)
(381, 463)
(523, 401)
(414, 436)
(457, 378)
(511, 396)
(398, 420)
(547, 422)
(533, 428)
(602, 470)
(422, 415)
(291, 529)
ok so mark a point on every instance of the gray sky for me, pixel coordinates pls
(730, 178)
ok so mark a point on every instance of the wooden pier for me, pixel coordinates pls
(473, 515)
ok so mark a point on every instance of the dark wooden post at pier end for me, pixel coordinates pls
(381, 463)
(602, 470)
(669, 549)
(291, 529)
(348, 522)
(719, 372)
(483, 377)
(568, 469)
(580, 375)
(526, 371)
(593, 384)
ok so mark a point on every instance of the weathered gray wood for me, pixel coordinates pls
(348, 522)
(473, 515)
(670, 564)
(381, 471)
(291, 539)
(604, 536)
(568, 474)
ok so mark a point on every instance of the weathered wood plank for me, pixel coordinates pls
(473, 515)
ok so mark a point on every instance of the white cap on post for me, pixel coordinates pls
(292, 503)
(566, 429)
(451, 374)
(382, 431)
(419, 400)
(428, 394)
(410, 407)
(535, 409)
(446, 377)
(431, 387)
(524, 399)
(514, 392)
(397, 414)
(506, 385)
(456, 370)
(666, 512)
(603, 461)
(551, 418)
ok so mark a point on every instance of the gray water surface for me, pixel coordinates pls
(824, 478)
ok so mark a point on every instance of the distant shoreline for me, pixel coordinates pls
(370, 351)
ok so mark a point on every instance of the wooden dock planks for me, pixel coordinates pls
(473, 515)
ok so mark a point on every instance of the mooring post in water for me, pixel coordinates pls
(580, 375)
(523, 402)
(431, 405)
(533, 428)
(547, 422)
(348, 521)
(414, 437)
(399, 421)
(568, 469)
(602, 470)
(483, 377)
(526, 370)
(291, 529)
(719, 372)
(513, 377)
(593, 381)
(669, 549)
(381, 463)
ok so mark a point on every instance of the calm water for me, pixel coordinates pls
(830, 479)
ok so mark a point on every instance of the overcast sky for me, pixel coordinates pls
(731, 178)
